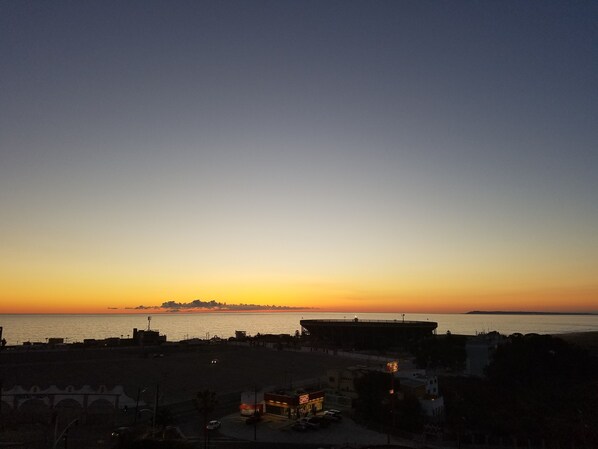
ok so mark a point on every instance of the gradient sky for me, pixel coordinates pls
(382, 156)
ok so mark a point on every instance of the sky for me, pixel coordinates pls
(400, 156)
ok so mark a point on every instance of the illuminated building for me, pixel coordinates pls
(294, 403)
(252, 402)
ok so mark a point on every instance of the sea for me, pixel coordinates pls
(75, 328)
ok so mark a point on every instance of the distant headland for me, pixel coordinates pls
(517, 312)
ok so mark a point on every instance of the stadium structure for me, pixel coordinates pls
(368, 334)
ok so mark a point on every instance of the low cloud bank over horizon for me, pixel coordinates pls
(198, 304)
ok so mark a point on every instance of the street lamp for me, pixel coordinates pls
(139, 391)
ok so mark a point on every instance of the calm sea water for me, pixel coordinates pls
(20, 328)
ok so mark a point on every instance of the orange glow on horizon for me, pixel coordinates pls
(549, 300)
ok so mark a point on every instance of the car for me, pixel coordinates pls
(309, 423)
(121, 432)
(334, 412)
(330, 416)
(213, 425)
(319, 421)
(299, 427)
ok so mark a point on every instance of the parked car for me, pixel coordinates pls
(299, 427)
(319, 421)
(334, 412)
(121, 432)
(330, 416)
(213, 425)
(309, 423)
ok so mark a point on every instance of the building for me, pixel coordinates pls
(252, 402)
(416, 382)
(342, 380)
(367, 334)
(148, 337)
(424, 387)
(294, 404)
(480, 351)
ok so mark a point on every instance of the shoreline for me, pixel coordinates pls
(515, 312)
(20, 328)
(581, 338)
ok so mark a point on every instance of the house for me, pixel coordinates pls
(480, 350)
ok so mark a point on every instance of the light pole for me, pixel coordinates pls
(155, 409)
(139, 391)
(255, 413)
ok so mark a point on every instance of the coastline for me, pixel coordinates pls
(516, 312)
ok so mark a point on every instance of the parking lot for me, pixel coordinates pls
(279, 429)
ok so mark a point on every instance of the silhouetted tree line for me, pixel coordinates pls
(442, 351)
(537, 388)
(375, 407)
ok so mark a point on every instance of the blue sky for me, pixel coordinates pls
(353, 152)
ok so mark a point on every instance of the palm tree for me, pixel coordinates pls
(205, 402)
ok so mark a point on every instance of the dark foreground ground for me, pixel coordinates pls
(180, 373)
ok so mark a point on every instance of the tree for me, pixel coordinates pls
(163, 417)
(445, 351)
(538, 387)
(205, 402)
(408, 414)
(373, 402)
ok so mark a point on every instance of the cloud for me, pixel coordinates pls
(142, 308)
(198, 304)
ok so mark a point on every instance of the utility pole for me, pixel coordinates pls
(139, 391)
(155, 409)
(255, 413)
(392, 397)
(1, 383)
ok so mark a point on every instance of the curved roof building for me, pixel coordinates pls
(369, 333)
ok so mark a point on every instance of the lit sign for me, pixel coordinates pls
(304, 399)
(392, 367)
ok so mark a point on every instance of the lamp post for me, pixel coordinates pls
(255, 413)
(139, 391)
(391, 368)
(155, 409)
